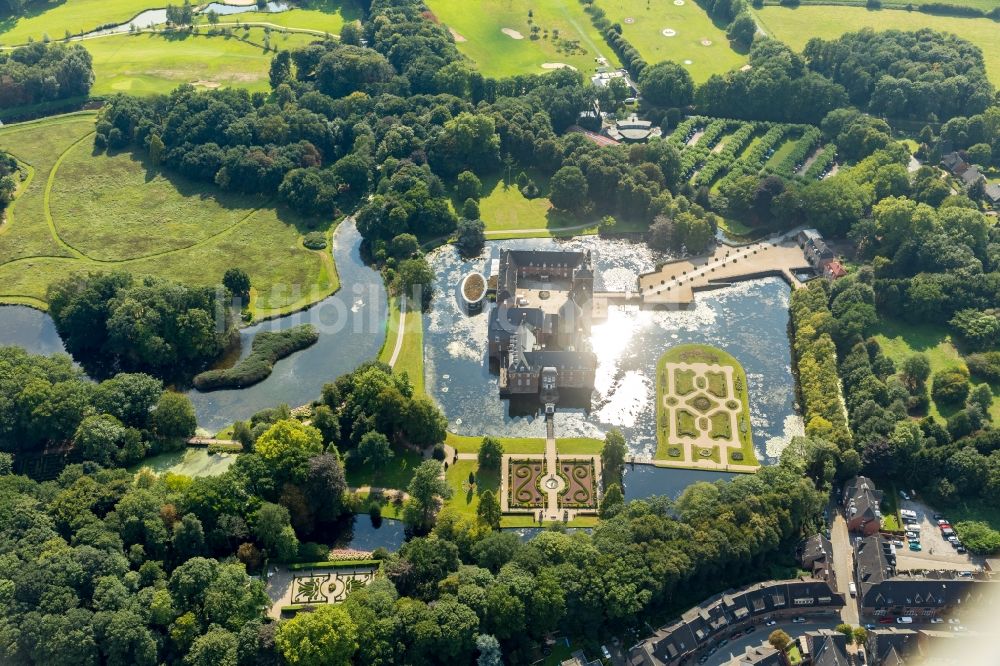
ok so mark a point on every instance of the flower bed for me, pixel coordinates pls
(523, 489)
(581, 484)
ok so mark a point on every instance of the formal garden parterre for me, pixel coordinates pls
(703, 414)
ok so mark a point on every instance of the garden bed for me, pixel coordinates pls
(524, 491)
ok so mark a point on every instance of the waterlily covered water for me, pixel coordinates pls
(749, 320)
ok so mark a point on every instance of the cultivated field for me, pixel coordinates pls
(796, 26)
(152, 63)
(480, 25)
(696, 38)
(81, 212)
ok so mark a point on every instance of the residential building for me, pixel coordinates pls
(816, 555)
(861, 502)
(818, 253)
(825, 648)
(992, 192)
(835, 270)
(891, 645)
(883, 591)
(578, 658)
(971, 176)
(759, 655)
(731, 612)
(954, 163)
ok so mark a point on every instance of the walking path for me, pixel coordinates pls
(400, 331)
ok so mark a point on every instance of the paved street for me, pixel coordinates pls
(843, 565)
(738, 646)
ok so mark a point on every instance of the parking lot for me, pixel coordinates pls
(936, 551)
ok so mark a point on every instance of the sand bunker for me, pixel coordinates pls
(207, 84)
(557, 65)
(458, 37)
(669, 32)
(679, 3)
(706, 42)
(689, 62)
(513, 34)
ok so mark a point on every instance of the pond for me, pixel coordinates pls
(223, 9)
(142, 20)
(749, 320)
(359, 532)
(351, 324)
(191, 461)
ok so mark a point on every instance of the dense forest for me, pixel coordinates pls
(113, 322)
(43, 73)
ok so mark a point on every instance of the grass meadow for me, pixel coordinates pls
(797, 26)
(156, 63)
(85, 212)
(900, 340)
(692, 26)
(479, 24)
(57, 17)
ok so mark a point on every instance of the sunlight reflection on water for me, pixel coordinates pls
(749, 320)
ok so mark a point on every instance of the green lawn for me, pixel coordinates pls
(899, 340)
(395, 475)
(686, 420)
(691, 25)
(104, 231)
(410, 358)
(566, 445)
(985, 5)
(465, 498)
(156, 63)
(504, 208)
(479, 24)
(796, 26)
(55, 17)
(326, 16)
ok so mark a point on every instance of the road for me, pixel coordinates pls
(843, 565)
(737, 647)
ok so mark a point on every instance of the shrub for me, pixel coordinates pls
(315, 240)
(268, 348)
(978, 537)
(950, 387)
(985, 365)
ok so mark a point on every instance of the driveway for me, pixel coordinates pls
(843, 566)
(936, 552)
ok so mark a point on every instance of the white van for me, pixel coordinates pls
(853, 588)
(906, 619)
(907, 513)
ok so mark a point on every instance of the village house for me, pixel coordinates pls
(817, 252)
(825, 648)
(992, 192)
(884, 591)
(759, 655)
(861, 500)
(816, 555)
(731, 612)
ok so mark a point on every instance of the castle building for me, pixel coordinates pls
(539, 331)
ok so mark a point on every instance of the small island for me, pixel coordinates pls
(702, 410)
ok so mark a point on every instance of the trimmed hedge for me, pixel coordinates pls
(333, 564)
(268, 348)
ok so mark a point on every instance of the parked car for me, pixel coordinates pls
(954, 620)
(906, 619)
(915, 545)
(604, 652)
(870, 626)
(770, 623)
(887, 619)
(958, 628)
(799, 620)
(953, 539)
(961, 550)
(956, 543)
(938, 516)
(897, 543)
(902, 493)
(853, 588)
(752, 628)
(723, 642)
(936, 620)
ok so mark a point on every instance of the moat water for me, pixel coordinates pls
(749, 320)
(351, 324)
